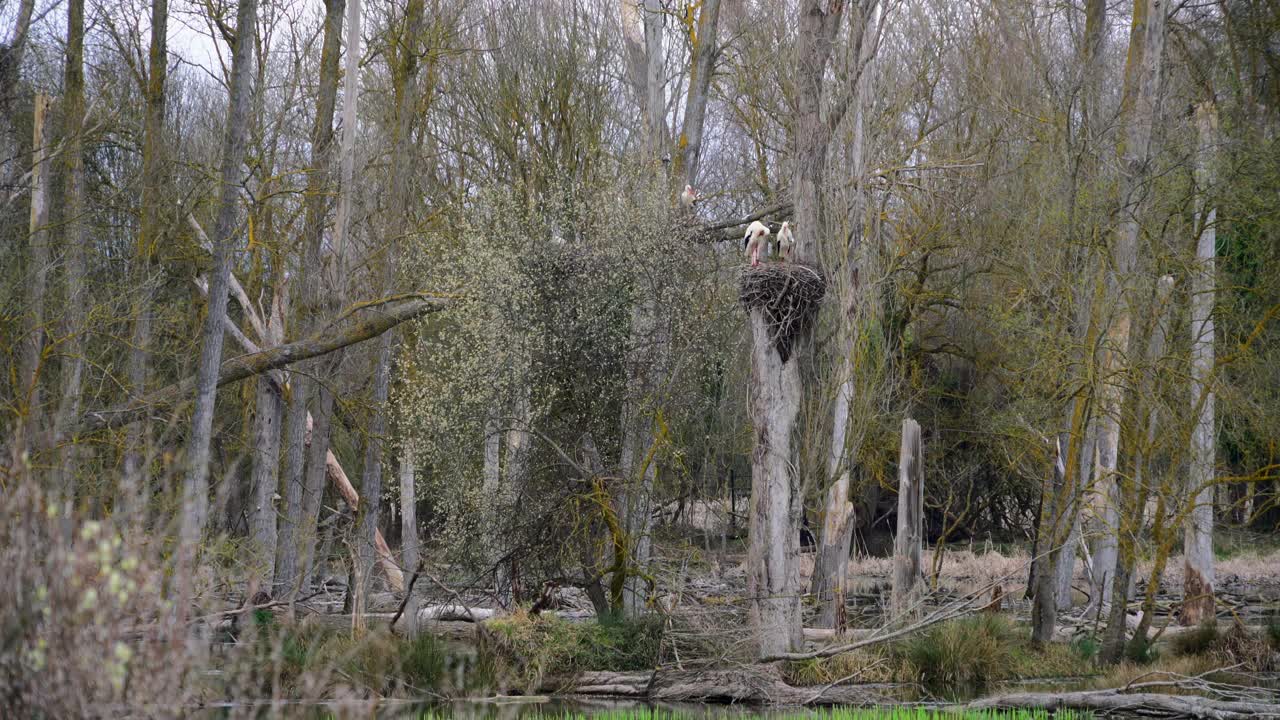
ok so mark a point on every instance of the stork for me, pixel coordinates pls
(786, 242)
(757, 237)
(688, 197)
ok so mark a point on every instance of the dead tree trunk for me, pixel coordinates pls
(642, 38)
(347, 149)
(908, 544)
(781, 300)
(1065, 567)
(773, 580)
(1198, 571)
(195, 487)
(1044, 576)
(705, 51)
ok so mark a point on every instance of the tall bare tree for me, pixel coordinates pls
(1139, 105)
(74, 240)
(144, 260)
(195, 487)
(1198, 570)
(407, 61)
(307, 447)
(38, 261)
(831, 564)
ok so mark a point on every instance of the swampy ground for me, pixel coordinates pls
(306, 661)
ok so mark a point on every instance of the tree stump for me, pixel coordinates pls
(907, 545)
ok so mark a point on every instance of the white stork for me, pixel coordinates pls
(756, 238)
(786, 242)
(688, 197)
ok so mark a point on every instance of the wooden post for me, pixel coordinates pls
(907, 546)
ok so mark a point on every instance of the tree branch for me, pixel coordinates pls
(245, 366)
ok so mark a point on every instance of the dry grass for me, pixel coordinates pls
(1163, 668)
(959, 568)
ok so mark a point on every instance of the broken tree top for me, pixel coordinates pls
(788, 294)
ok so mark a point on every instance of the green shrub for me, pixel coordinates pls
(959, 657)
(1086, 646)
(523, 650)
(1273, 632)
(1141, 650)
(1202, 640)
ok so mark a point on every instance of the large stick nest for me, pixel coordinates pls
(788, 294)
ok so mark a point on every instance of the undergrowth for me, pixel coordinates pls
(955, 659)
(522, 650)
(309, 659)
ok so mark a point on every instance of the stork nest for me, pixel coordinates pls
(788, 294)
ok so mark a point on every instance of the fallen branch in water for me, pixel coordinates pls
(1146, 703)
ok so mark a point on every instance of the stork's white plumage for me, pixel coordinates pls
(787, 242)
(755, 239)
(688, 197)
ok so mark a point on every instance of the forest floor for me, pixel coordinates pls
(702, 624)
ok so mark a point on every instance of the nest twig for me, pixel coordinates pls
(788, 294)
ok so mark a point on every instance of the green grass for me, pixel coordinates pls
(379, 663)
(960, 657)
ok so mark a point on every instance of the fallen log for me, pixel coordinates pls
(453, 611)
(756, 685)
(1148, 704)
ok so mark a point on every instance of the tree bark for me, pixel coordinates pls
(267, 422)
(409, 533)
(831, 563)
(1139, 99)
(292, 522)
(705, 51)
(1198, 571)
(371, 477)
(347, 149)
(195, 487)
(405, 67)
(1046, 554)
(1065, 566)
(37, 284)
(304, 483)
(73, 242)
(153, 183)
(1081, 448)
(773, 579)
(908, 544)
